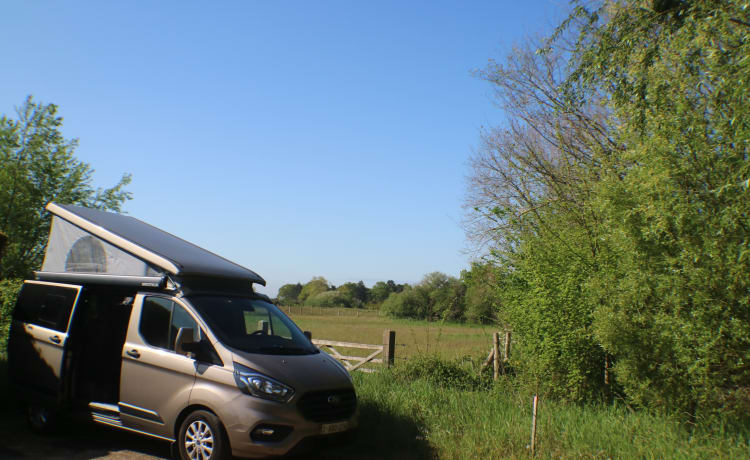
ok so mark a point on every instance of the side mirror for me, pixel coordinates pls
(185, 343)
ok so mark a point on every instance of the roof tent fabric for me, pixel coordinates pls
(87, 240)
(72, 250)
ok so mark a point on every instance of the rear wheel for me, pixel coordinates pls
(202, 437)
(41, 418)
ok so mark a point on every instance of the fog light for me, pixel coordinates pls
(270, 433)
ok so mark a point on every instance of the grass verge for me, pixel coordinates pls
(440, 418)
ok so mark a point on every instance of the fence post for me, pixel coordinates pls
(506, 353)
(533, 426)
(496, 353)
(389, 347)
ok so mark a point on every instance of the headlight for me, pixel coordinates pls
(261, 386)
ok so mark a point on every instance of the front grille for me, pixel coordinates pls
(328, 406)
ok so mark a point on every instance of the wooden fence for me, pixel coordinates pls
(329, 311)
(386, 351)
(497, 357)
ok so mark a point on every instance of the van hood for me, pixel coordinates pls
(304, 373)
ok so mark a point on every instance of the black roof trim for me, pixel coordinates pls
(111, 280)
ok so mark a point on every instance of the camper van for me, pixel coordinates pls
(134, 328)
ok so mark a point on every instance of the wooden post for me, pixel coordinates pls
(389, 347)
(533, 426)
(506, 351)
(496, 353)
(263, 326)
(606, 369)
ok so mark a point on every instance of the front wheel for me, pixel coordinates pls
(202, 437)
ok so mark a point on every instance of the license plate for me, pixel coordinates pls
(329, 428)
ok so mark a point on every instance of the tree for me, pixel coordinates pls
(675, 302)
(313, 287)
(481, 300)
(335, 299)
(356, 292)
(437, 296)
(3, 243)
(530, 202)
(289, 293)
(38, 166)
(382, 289)
(409, 303)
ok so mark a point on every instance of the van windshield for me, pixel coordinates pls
(252, 325)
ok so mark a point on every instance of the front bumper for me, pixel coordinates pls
(244, 414)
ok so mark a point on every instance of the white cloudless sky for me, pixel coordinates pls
(298, 139)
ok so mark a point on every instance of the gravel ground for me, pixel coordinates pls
(88, 441)
(78, 441)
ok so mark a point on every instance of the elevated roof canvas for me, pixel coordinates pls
(162, 249)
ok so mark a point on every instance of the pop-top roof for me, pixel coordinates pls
(152, 245)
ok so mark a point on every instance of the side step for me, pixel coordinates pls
(108, 414)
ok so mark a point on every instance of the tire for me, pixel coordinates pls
(41, 418)
(202, 437)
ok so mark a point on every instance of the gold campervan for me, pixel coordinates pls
(140, 330)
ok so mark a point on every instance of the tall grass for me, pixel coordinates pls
(446, 412)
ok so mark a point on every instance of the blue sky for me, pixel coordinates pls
(295, 138)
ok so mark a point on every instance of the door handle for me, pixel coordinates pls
(55, 339)
(133, 353)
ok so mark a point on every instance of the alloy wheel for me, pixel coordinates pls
(199, 440)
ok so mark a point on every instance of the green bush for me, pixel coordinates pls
(334, 299)
(409, 303)
(547, 304)
(444, 373)
(8, 293)
(480, 300)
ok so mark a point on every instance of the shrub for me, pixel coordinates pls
(547, 305)
(410, 303)
(8, 293)
(335, 299)
(444, 373)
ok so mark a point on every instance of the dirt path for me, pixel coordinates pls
(79, 442)
(88, 441)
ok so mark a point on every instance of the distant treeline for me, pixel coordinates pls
(437, 297)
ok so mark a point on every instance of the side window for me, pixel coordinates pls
(155, 317)
(45, 305)
(161, 319)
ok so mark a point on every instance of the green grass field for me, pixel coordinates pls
(447, 340)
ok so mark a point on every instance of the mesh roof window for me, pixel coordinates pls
(86, 256)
